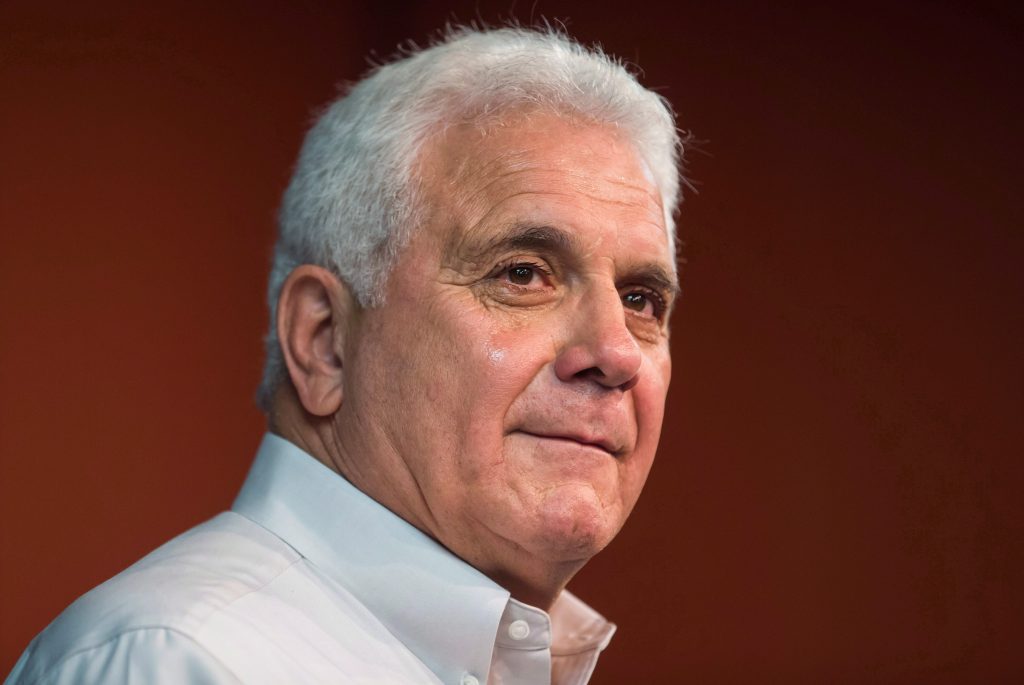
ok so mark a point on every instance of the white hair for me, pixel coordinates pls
(351, 204)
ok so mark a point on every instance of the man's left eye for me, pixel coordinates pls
(643, 303)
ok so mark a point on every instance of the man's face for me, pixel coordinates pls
(513, 385)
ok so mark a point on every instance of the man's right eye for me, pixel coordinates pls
(522, 274)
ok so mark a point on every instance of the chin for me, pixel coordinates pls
(574, 528)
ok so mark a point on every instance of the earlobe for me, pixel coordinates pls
(312, 320)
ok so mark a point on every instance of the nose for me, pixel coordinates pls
(600, 346)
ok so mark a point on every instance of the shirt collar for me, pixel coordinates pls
(444, 610)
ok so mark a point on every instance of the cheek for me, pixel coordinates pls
(650, 394)
(453, 374)
(497, 370)
(649, 407)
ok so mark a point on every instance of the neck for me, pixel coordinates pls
(290, 421)
(539, 590)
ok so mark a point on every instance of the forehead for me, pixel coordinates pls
(546, 170)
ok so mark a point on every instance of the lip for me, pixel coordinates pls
(600, 443)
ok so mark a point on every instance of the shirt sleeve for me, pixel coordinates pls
(150, 656)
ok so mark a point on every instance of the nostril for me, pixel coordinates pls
(631, 383)
(595, 374)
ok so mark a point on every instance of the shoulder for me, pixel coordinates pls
(137, 655)
(159, 606)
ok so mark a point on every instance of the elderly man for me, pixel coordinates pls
(465, 383)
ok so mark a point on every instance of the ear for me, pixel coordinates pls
(314, 314)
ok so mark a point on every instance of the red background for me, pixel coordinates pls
(838, 496)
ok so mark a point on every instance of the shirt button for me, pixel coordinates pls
(469, 679)
(518, 630)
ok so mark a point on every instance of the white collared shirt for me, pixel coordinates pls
(308, 580)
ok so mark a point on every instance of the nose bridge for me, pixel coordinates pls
(600, 344)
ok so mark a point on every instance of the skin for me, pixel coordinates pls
(508, 398)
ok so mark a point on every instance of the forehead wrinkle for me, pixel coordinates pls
(476, 192)
(580, 185)
(507, 162)
(584, 185)
(469, 163)
(593, 193)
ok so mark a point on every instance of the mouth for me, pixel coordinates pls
(601, 444)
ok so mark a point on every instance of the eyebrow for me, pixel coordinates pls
(533, 237)
(656, 277)
(517, 236)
